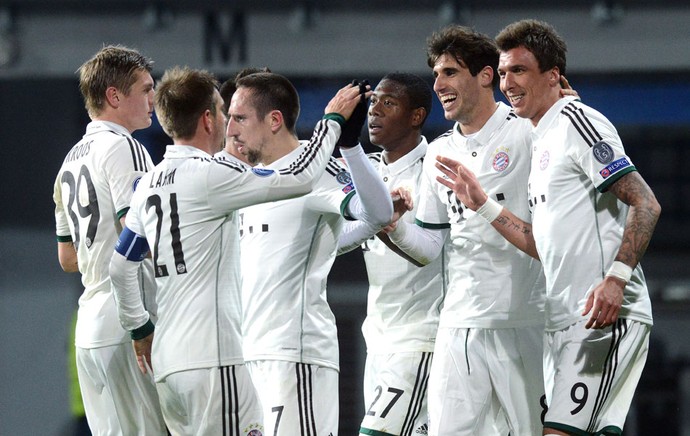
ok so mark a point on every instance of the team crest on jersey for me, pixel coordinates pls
(501, 161)
(614, 167)
(262, 172)
(544, 160)
(135, 183)
(254, 430)
(344, 177)
(602, 152)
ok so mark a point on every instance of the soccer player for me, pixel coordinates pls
(92, 193)
(404, 300)
(227, 89)
(185, 211)
(486, 375)
(592, 218)
(288, 248)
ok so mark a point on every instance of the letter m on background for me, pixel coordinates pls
(225, 40)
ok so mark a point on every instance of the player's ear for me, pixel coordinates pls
(486, 76)
(207, 119)
(555, 76)
(112, 96)
(276, 120)
(418, 116)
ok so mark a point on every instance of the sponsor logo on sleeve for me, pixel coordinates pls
(262, 172)
(603, 152)
(614, 167)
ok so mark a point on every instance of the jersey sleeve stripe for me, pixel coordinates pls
(310, 151)
(136, 155)
(432, 226)
(232, 165)
(582, 124)
(333, 167)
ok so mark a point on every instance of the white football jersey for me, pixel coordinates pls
(186, 207)
(577, 225)
(404, 300)
(92, 191)
(491, 284)
(288, 248)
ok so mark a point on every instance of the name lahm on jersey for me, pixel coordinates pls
(163, 178)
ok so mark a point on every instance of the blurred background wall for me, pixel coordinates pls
(630, 59)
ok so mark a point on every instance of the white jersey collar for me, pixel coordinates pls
(408, 160)
(184, 152)
(100, 126)
(483, 137)
(551, 115)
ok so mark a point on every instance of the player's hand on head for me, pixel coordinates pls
(567, 90)
(344, 101)
(353, 126)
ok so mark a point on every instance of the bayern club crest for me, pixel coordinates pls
(501, 161)
(544, 160)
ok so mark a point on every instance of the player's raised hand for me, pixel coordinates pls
(142, 349)
(346, 99)
(461, 181)
(353, 126)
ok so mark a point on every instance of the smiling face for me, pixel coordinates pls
(248, 133)
(530, 91)
(456, 88)
(136, 108)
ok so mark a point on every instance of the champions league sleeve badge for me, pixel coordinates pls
(344, 178)
(603, 152)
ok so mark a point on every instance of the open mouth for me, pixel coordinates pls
(447, 100)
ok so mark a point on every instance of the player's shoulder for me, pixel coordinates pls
(442, 138)
(336, 177)
(336, 170)
(375, 158)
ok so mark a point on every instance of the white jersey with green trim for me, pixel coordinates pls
(577, 225)
(92, 191)
(491, 284)
(404, 300)
(186, 207)
(288, 248)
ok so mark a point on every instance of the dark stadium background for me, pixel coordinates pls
(645, 95)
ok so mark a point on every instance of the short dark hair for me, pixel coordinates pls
(271, 91)
(228, 88)
(182, 96)
(417, 90)
(470, 48)
(540, 38)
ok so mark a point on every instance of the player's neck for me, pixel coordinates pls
(397, 151)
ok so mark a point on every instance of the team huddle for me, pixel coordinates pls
(505, 292)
